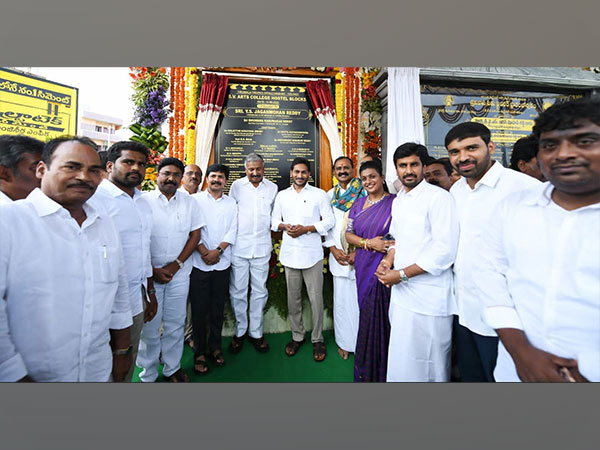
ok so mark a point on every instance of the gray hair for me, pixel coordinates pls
(253, 157)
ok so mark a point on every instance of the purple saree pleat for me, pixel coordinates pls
(370, 357)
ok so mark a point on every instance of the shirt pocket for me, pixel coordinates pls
(182, 221)
(107, 259)
(307, 209)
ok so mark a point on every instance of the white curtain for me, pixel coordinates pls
(322, 102)
(405, 117)
(205, 131)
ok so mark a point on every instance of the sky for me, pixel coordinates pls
(103, 90)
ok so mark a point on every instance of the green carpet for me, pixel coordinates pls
(273, 366)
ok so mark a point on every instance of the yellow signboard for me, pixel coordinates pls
(34, 107)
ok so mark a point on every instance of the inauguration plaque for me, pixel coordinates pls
(272, 120)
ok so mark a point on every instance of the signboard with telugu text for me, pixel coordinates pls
(31, 106)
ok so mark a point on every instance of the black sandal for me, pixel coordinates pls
(236, 344)
(217, 358)
(319, 351)
(292, 347)
(200, 365)
(259, 344)
(178, 377)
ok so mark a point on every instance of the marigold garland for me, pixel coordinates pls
(370, 123)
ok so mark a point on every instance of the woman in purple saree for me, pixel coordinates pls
(368, 221)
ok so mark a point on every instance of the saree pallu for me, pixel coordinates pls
(370, 357)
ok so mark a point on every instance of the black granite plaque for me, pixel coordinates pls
(275, 121)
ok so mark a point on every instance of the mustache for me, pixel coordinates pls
(563, 165)
(343, 174)
(464, 163)
(134, 173)
(81, 184)
(435, 182)
(170, 182)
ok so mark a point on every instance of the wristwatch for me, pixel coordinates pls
(220, 250)
(403, 276)
(179, 263)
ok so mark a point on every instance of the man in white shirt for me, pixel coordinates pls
(345, 296)
(175, 235)
(254, 195)
(192, 175)
(484, 184)
(121, 200)
(304, 214)
(58, 315)
(425, 227)
(212, 260)
(542, 285)
(19, 157)
(523, 157)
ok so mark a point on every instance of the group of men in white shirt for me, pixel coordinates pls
(505, 255)
(525, 258)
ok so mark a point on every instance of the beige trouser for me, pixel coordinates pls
(313, 278)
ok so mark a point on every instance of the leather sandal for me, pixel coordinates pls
(319, 351)
(178, 377)
(259, 344)
(292, 347)
(217, 358)
(236, 344)
(200, 365)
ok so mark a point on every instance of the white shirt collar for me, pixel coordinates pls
(115, 191)
(45, 206)
(492, 176)
(542, 196)
(5, 198)
(414, 191)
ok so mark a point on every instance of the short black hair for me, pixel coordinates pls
(218, 168)
(300, 160)
(409, 149)
(344, 157)
(13, 148)
(467, 130)
(562, 116)
(444, 162)
(170, 162)
(51, 146)
(524, 149)
(114, 151)
(103, 157)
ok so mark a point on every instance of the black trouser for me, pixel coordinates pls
(207, 295)
(476, 354)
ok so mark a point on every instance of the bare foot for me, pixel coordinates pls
(343, 353)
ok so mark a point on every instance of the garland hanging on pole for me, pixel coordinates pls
(151, 110)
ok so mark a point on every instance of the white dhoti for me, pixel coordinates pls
(172, 301)
(419, 347)
(249, 317)
(345, 313)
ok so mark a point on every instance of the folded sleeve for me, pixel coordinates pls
(440, 253)
(231, 233)
(327, 219)
(121, 311)
(498, 306)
